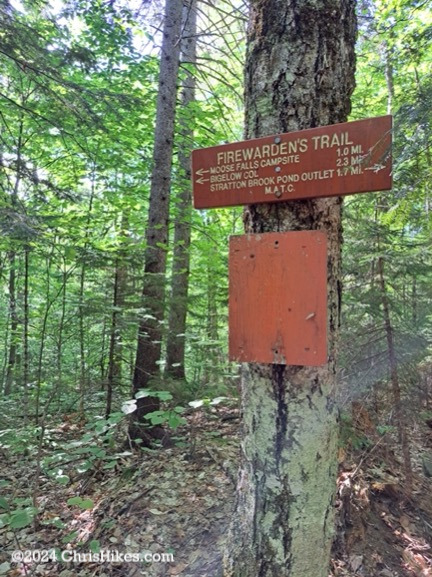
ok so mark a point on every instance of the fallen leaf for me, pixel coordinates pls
(356, 562)
(157, 512)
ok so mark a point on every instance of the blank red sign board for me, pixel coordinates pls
(327, 161)
(278, 298)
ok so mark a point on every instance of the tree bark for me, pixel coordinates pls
(43, 337)
(61, 324)
(394, 377)
(12, 256)
(299, 74)
(211, 365)
(81, 333)
(82, 300)
(176, 339)
(150, 332)
(26, 322)
(13, 343)
(115, 348)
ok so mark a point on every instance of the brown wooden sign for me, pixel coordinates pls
(327, 161)
(278, 298)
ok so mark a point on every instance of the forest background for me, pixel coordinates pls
(78, 92)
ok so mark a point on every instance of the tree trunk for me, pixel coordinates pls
(14, 337)
(26, 322)
(299, 74)
(13, 343)
(82, 300)
(42, 337)
(394, 376)
(176, 340)
(414, 316)
(59, 353)
(150, 332)
(394, 373)
(211, 364)
(82, 347)
(114, 355)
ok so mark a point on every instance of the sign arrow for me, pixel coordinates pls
(202, 180)
(376, 167)
(201, 171)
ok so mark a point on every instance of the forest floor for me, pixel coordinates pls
(180, 501)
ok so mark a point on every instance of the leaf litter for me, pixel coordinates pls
(180, 501)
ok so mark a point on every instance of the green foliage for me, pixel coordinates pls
(349, 437)
(76, 136)
(21, 441)
(81, 503)
(384, 429)
(393, 57)
(207, 402)
(170, 416)
(20, 518)
(94, 546)
(95, 450)
(70, 537)
(76, 132)
(15, 518)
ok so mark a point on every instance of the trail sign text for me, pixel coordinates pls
(327, 161)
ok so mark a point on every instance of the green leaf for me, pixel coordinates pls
(97, 452)
(85, 466)
(74, 501)
(70, 537)
(20, 519)
(4, 504)
(175, 420)
(143, 393)
(157, 417)
(196, 404)
(86, 504)
(63, 479)
(58, 523)
(164, 395)
(101, 426)
(108, 523)
(4, 568)
(4, 520)
(115, 418)
(218, 400)
(94, 546)
(81, 451)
